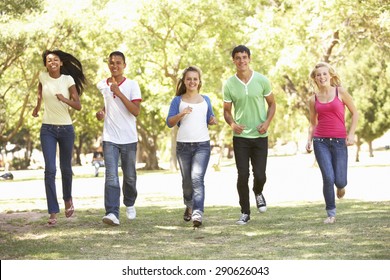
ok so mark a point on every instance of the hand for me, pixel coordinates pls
(35, 112)
(114, 87)
(100, 115)
(308, 147)
(350, 140)
(262, 128)
(238, 128)
(60, 97)
(187, 110)
(213, 120)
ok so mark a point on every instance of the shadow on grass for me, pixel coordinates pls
(282, 233)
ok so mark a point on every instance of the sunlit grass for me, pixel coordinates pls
(286, 232)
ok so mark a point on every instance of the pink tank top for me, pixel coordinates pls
(331, 118)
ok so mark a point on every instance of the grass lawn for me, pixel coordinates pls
(282, 233)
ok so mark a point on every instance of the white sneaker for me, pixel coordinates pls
(330, 220)
(197, 219)
(111, 219)
(131, 213)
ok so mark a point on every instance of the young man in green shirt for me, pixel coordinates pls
(248, 91)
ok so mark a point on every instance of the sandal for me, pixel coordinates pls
(69, 210)
(52, 221)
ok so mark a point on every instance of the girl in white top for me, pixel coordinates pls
(192, 113)
(59, 88)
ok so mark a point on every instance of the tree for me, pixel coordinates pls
(176, 35)
(13, 43)
(371, 82)
(286, 38)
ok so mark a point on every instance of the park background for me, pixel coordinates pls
(160, 39)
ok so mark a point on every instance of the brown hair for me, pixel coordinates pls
(181, 87)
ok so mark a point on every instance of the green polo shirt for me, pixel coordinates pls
(249, 103)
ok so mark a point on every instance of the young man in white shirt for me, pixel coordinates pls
(122, 104)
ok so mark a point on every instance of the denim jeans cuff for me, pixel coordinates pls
(331, 213)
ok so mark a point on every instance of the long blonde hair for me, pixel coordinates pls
(335, 80)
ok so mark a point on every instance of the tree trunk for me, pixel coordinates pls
(78, 151)
(358, 144)
(371, 151)
(151, 162)
(148, 149)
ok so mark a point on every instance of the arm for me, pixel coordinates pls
(134, 107)
(39, 101)
(211, 119)
(172, 121)
(73, 101)
(348, 101)
(263, 127)
(313, 123)
(227, 114)
(174, 116)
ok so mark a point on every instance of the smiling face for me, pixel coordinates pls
(116, 65)
(241, 60)
(192, 81)
(53, 63)
(322, 76)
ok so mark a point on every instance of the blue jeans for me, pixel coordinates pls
(332, 157)
(193, 159)
(112, 190)
(254, 150)
(64, 136)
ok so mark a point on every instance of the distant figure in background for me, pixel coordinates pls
(6, 158)
(192, 113)
(59, 88)
(122, 105)
(98, 160)
(328, 132)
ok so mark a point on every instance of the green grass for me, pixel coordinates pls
(282, 233)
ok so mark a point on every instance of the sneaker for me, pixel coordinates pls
(330, 220)
(244, 219)
(260, 203)
(131, 213)
(340, 193)
(197, 220)
(187, 214)
(111, 219)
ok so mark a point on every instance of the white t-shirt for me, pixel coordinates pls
(193, 127)
(119, 123)
(55, 111)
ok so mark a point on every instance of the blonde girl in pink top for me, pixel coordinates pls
(329, 134)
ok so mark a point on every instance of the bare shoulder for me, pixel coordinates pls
(341, 90)
(343, 93)
(312, 98)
